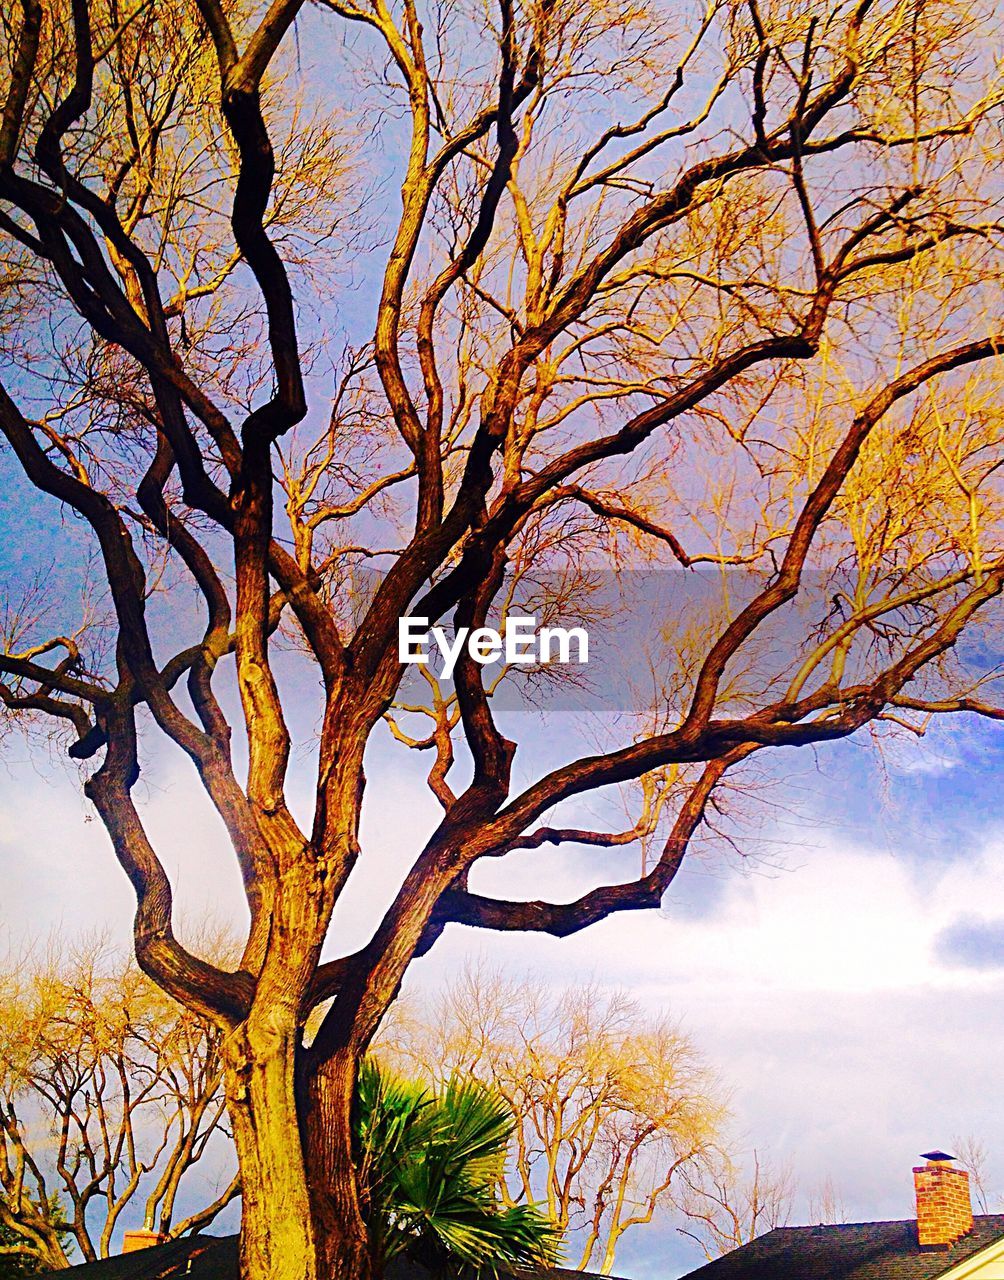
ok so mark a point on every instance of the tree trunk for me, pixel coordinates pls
(278, 1241)
(301, 1216)
(337, 1210)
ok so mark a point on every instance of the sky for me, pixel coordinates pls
(846, 979)
(846, 984)
(844, 976)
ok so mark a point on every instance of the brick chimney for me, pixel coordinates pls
(133, 1240)
(944, 1210)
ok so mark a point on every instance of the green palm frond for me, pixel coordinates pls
(432, 1164)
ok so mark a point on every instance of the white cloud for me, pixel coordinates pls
(846, 919)
(819, 992)
(820, 995)
(59, 873)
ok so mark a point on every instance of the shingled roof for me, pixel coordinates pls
(216, 1258)
(850, 1251)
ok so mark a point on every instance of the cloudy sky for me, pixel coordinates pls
(846, 979)
(846, 982)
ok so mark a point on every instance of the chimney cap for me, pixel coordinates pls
(936, 1157)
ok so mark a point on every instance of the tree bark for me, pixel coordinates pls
(278, 1240)
(337, 1207)
(302, 1217)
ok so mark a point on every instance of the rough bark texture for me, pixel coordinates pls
(277, 1233)
(336, 1205)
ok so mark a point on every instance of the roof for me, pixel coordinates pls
(216, 1258)
(849, 1251)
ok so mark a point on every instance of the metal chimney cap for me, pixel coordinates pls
(936, 1157)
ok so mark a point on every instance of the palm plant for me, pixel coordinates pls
(432, 1164)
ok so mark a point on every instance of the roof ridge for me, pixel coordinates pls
(872, 1222)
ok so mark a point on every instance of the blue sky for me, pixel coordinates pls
(846, 980)
(846, 985)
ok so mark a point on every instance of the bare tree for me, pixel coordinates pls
(110, 1094)
(741, 312)
(728, 1208)
(973, 1155)
(826, 1204)
(17, 1257)
(612, 1104)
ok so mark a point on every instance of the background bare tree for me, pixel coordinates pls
(612, 1104)
(971, 1152)
(110, 1096)
(17, 1256)
(826, 1204)
(741, 312)
(730, 1206)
